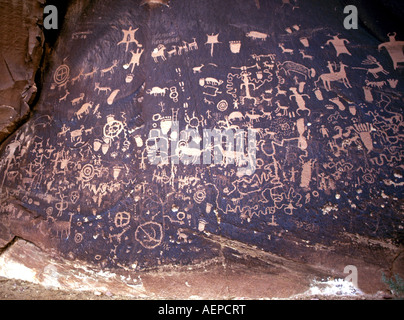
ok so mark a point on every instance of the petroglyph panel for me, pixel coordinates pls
(308, 114)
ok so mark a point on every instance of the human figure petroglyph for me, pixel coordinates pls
(394, 48)
(339, 45)
(212, 40)
(246, 83)
(129, 37)
(63, 131)
(324, 131)
(301, 104)
(172, 52)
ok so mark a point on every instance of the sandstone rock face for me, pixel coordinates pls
(21, 46)
(116, 167)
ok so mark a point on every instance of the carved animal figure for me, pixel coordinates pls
(281, 109)
(372, 60)
(64, 97)
(373, 84)
(334, 76)
(235, 115)
(253, 116)
(157, 91)
(257, 35)
(290, 66)
(304, 55)
(193, 45)
(210, 81)
(285, 50)
(90, 74)
(338, 135)
(159, 52)
(280, 91)
(182, 235)
(73, 80)
(78, 99)
(109, 69)
(62, 227)
(85, 109)
(172, 52)
(76, 134)
(198, 69)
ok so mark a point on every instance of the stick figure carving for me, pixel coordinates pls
(301, 104)
(212, 40)
(394, 48)
(339, 45)
(129, 37)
